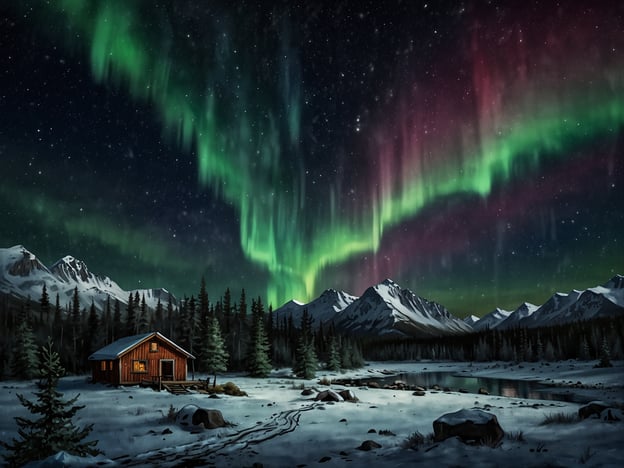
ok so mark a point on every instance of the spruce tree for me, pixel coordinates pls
(306, 362)
(24, 363)
(333, 359)
(54, 430)
(258, 362)
(214, 356)
(130, 317)
(117, 326)
(44, 306)
(605, 355)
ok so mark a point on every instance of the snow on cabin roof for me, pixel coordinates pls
(117, 348)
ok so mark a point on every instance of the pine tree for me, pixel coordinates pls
(605, 357)
(24, 363)
(214, 356)
(333, 359)
(117, 324)
(44, 306)
(258, 362)
(130, 317)
(54, 430)
(306, 362)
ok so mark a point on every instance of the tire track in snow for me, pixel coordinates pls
(196, 454)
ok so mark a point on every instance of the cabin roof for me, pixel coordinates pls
(118, 348)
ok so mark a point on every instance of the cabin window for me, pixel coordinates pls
(103, 365)
(139, 366)
(110, 365)
(153, 347)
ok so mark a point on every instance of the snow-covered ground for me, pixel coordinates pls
(277, 426)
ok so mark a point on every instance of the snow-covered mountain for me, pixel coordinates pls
(383, 310)
(492, 320)
(323, 309)
(599, 301)
(22, 275)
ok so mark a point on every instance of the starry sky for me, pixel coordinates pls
(471, 151)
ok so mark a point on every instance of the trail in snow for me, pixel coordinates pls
(196, 454)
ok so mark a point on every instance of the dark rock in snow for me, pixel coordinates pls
(369, 445)
(483, 391)
(470, 425)
(328, 395)
(592, 408)
(348, 395)
(307, 392)
(419, 393)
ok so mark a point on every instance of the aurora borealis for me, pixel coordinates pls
(472, 152)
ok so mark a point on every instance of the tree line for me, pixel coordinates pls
(224, 334)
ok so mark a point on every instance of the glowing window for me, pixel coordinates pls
(139, 367)
(103, 365)
(153, 347)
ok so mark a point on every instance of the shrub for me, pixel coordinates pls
(559, 418)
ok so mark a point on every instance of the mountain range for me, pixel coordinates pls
(385, 309)
(389, 310)
(23, 275)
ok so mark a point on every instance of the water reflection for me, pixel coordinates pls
(494, 386)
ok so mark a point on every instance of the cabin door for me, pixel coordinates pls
(166, 369)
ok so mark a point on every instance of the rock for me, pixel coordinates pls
(167, 431)
(436, 387)
(328, 395)
(611, 415)
(192, 417)
(419, 389)
(483, 391)
(372, 431)
(209, 418)
(373, 385)
(369, 445)
(470, 425)
(348, 395)
(462, 390)
(324, 459)
(307, 392)
(592, 408)
(343, 420)
(419, 393)
(446, 389)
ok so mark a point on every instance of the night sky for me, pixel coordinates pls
(472, 152)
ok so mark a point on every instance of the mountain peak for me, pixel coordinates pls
(69, 269)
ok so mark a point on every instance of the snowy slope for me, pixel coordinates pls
(492, 320)
(323, 309)
(387, 309)
(23, 275)
(517, 316)
(384, 309)
(471, 320)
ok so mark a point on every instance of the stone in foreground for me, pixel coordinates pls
(472, 426)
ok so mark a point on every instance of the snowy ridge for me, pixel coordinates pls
(599, 301)
(384, 309)
(323, 309)
(492, 320)
(23, 275)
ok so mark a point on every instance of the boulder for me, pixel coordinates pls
(373, 385)
(328, 395)
(348, 395)
(483, 391)
(369, 445)
(470, 425)
(592, 408)
(192, 417)
(307, 392)
(419, 393)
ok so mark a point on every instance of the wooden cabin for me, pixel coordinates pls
(138, 358)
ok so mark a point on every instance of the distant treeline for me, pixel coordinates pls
(248, 333)
(588, 340)
(252, 341)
